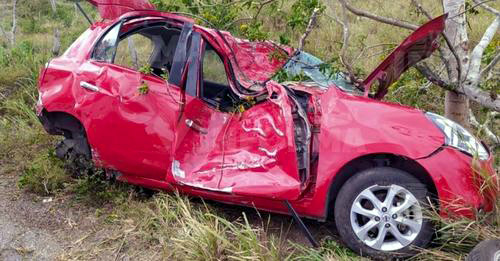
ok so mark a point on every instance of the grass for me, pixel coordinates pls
(173, 227)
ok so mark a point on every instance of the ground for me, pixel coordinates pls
(35, 229)
(30, 228)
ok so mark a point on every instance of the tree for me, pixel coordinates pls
(464, 68)
(53, 5)
(11, 36)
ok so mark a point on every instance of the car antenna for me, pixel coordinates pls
(83, 12)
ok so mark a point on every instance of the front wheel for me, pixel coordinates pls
(379, 213)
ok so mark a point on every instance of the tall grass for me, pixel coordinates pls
(173, 227)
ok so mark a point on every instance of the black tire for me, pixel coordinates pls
(488, 250)
(382, 176)
(76, 160)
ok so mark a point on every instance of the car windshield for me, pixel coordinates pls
(305, 67)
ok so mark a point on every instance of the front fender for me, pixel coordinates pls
(354, 126)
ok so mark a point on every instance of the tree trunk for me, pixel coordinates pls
(457, 105)
(133, 53)
(56, 46)
(53, 5)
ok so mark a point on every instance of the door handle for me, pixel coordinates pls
(89, 86)
(193, 125)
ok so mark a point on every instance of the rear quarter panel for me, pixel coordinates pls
(60, 75)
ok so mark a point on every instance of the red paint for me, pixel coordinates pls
(418, 46)
(169, 140)
(458, 193)
(111, 9)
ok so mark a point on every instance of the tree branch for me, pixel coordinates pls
(482, 97)
(382, 19)
(421, 8)
(427, 72)
(56, 47)
(310, 26)
(261, 7)
(484, 127)
(53, 4)
(487, 7)
(14, 22)
(473, 76)
(345, 43)
(441, 50)
(455, 55)
(490, 66)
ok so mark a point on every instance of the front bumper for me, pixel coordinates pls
(460, 182)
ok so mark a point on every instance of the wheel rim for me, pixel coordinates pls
(497, 256)
(386, 218)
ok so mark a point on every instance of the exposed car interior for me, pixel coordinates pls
(152, 45)
(215, 88)
(155, 45)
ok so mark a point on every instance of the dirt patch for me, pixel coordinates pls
(34, 230)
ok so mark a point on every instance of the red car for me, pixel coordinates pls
(166, 104)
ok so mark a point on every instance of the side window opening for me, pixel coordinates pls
(134, 51)
(143, 45)
(106, 48)
(215, 88)
(152, 46)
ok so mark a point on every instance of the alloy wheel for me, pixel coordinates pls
(386, 218)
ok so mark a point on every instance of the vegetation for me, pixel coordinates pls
(175, 227)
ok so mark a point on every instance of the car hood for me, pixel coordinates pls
(112, 9)
(415, 48)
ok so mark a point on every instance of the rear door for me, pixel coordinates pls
(132, 115)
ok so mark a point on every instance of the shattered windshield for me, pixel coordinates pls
(304, 67)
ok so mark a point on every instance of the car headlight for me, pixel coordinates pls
(458, 137)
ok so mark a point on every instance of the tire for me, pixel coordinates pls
(76, 160)
(488, 250)
(381, 181)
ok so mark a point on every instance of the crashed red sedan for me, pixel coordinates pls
(163, 103)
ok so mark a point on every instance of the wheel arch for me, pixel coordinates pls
(62, 123)
(378, 160)
(69, 126)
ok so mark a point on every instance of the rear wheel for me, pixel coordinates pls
(379, 213)
(76, 156)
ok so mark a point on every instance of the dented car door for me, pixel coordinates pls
(250, 152)
(260, 157)
(133, 113)
(200, 129)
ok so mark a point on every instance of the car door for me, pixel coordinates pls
(198, 151)
(133, 113)
(250, 152)
(260, 158)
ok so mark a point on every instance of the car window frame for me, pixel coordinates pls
(227, 70)
(118, 25)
